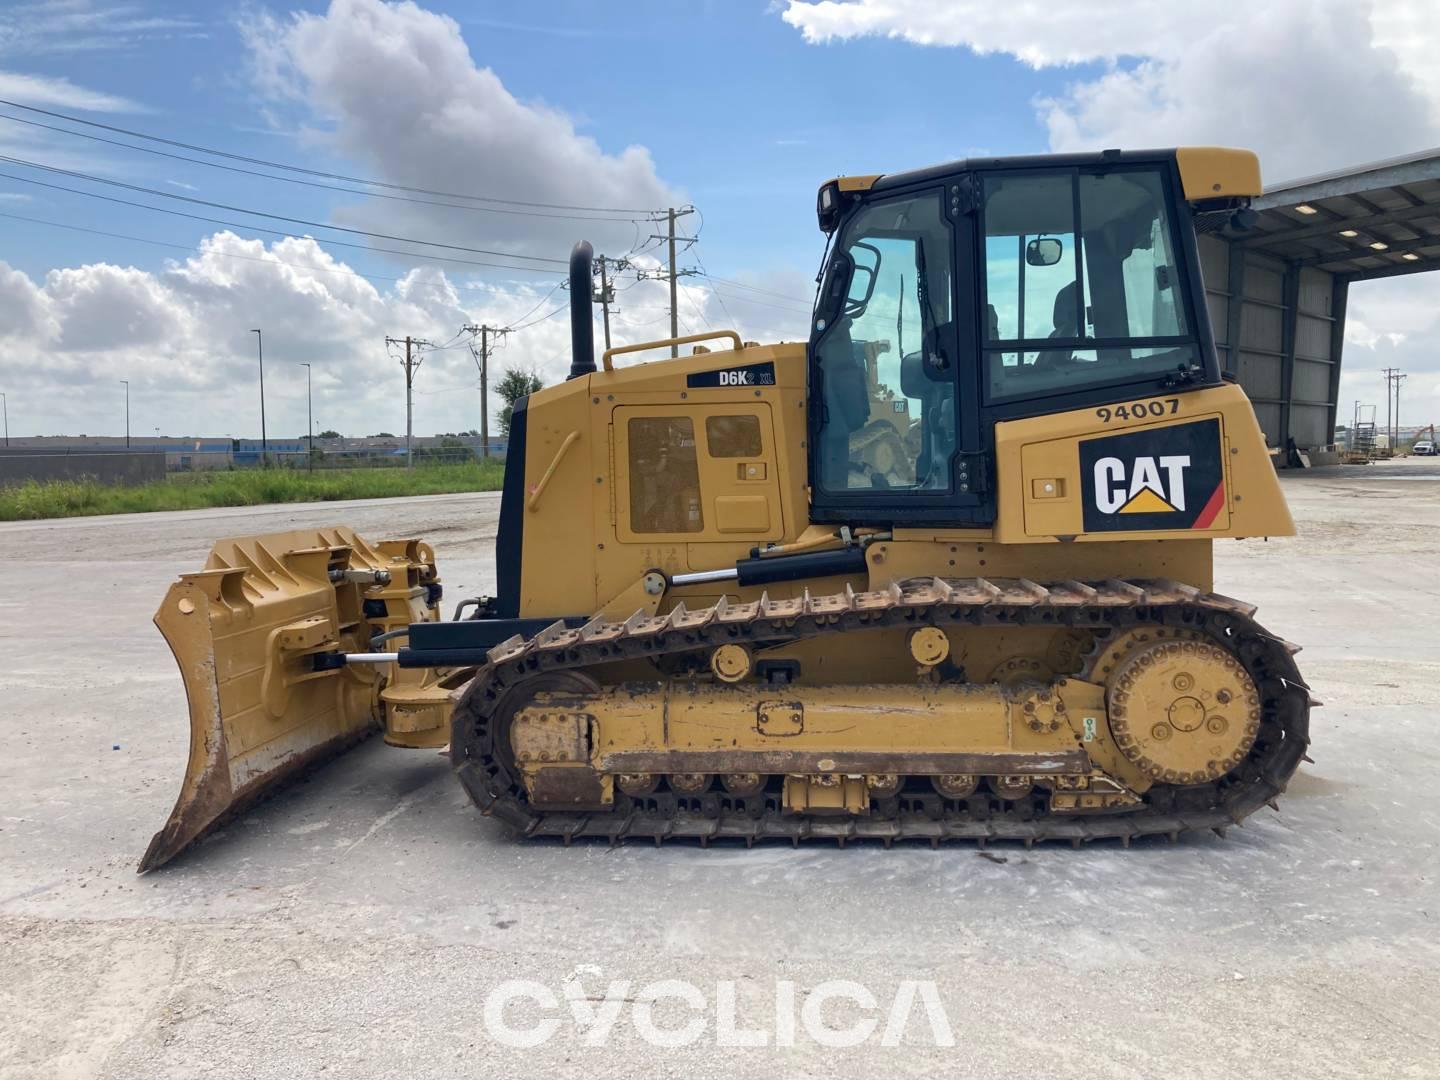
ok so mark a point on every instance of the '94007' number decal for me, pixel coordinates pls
(1139, 410)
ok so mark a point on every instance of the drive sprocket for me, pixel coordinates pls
(1184, 711)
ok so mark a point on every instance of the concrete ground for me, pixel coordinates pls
(358, 923)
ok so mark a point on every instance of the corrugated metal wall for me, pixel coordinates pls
(1277, 329)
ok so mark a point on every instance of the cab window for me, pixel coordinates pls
(888, 416)
(1082, 283)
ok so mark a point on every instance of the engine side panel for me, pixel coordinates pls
(674, 466)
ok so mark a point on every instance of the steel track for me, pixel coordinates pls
(479, 742)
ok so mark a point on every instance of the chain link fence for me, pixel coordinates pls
(202, 461)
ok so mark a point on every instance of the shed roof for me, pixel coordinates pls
(1370, 221)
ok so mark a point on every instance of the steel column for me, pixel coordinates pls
(1291, 319)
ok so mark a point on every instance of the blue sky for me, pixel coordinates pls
(745, 125)
(741, 108)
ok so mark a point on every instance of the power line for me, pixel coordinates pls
(449, 344)
(274, 217)
(422, 255)
(319, 172)
(193, 249)
(705, 273)
(543, 318)
(553, 290)
(763, 303)
(309, 183)
(647, 322)
(755, 288)
(701, 314)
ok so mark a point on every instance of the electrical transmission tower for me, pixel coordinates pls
(488, 335)
(411, 364)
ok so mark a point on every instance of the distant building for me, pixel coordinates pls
(182, 453)
(247, 452)
(373, 446)
(194, 453)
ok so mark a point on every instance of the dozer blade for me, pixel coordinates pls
(246, 631)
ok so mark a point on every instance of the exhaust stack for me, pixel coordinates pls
(582, 319)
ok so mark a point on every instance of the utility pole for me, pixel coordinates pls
(674, 298)
(126, 384)
(672, 273)
(1393, 378)
(264, 442)
(1394, 442)
(411, 364)
(605, 296)
(309, 416)
(482, 361)
(5, 406)
(1388, 372)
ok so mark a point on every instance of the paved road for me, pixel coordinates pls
(361, 920)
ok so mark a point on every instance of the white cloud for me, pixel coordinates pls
(60, 94)
(1310, 84)
(397, 90)
(182, 337)
(23, 312)
(1063, 34)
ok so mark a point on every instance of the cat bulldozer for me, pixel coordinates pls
(717, 619)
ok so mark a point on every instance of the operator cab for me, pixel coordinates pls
(963, 295)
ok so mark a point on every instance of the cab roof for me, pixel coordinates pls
(1207, 172)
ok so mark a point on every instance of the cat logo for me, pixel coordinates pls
(1146, 492)
(1160, 478)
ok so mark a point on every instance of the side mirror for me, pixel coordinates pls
(862, 278)
(834, 288)
(1044, 251)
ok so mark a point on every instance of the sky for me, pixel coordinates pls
(506, 131)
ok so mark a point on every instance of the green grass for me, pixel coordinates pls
(77, 498)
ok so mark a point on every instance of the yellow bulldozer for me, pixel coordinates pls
(718, 619)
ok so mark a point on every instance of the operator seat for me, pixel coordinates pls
(1065, 317)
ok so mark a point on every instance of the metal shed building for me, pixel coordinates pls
(1277, 292)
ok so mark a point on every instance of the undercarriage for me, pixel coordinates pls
(1144, 708)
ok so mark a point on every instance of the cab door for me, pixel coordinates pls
(894, 421)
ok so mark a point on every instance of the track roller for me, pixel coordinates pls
(956, 785)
